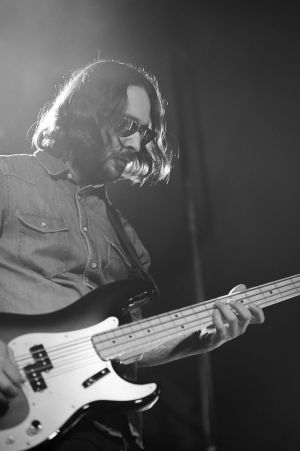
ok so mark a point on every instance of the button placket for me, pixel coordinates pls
(91, 264)
(83, 231)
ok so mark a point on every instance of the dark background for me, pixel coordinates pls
(230, 72)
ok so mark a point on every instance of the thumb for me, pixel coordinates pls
(238, 289)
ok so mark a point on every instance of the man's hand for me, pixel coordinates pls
(10, 377)
(228, 322)
(231, 320)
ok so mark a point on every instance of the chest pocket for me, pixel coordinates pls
(117, 264)
(43, 243)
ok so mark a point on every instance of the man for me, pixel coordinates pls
(58, 242)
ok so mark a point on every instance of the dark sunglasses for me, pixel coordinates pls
(129, 126)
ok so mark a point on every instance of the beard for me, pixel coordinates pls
(97, 166)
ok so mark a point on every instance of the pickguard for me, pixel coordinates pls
(74, 378)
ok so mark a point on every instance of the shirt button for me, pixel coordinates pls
(69, 175)
(94, 265)
(84, 228)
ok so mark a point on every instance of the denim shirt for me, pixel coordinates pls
(56, 242)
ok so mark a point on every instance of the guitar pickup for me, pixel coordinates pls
(96, 377)
(34, 370)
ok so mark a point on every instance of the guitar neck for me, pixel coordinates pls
(141, 336)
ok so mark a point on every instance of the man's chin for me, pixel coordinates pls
(114, 173)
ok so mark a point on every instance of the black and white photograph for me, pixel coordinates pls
(149, 225)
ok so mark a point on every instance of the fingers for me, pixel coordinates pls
(11, 371)
(229, 327)
(232, 320)
(7, 387)
(258, 316)
(221, 332)
(243, 316)
(10, 377)
(3, 400)
(10, 381)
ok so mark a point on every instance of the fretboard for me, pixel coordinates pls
(141, 336)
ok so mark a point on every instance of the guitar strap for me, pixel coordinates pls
(137, 268)
(135, 310)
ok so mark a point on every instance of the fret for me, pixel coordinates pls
(254, 295)
(140, 336)
(237, 297)
(128, 349)
(164, 319)
(147, 342)
(296, 281)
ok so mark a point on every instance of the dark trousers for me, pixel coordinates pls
(85, 437)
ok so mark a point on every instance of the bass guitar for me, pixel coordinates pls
(66, 357)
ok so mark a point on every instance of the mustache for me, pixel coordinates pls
(125, 154)
(129, 157)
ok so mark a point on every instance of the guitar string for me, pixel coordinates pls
(139, 345)
(63, 369)
(188, 326)
(156, 340)
(66, 370)
(201, 306)
(119, 332)
(201, 312)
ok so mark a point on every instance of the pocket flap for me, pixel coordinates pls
(118, 251)
(44, 224)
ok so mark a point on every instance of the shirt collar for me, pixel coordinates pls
(56, 168)
(53, 165)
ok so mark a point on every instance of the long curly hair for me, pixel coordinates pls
(94, 98)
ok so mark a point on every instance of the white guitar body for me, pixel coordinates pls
(65, 395)
(66, 373)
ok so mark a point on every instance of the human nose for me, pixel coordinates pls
(133, 142)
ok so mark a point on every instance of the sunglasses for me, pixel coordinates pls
(129, 126)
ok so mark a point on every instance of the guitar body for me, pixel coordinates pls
(66, 356)
(65, 376)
